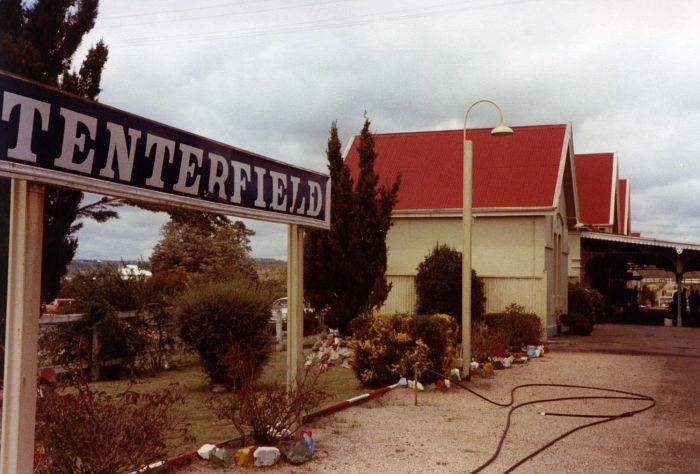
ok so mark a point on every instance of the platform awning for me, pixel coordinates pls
(677, 257)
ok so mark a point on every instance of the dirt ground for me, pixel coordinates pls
(455, 432)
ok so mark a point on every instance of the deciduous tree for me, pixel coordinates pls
(216, 250)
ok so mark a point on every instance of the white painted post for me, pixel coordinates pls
(295, 302)
(23, 308)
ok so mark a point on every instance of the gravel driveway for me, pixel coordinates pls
(455, 432)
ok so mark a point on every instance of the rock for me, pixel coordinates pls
(266, 456)
(205, 451)
(245, 456)
(220, 457)
(297, 452)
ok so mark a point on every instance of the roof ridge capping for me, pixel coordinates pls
(479, 129)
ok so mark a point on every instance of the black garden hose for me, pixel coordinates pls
(600, 418)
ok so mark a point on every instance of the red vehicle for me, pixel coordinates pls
(60, 306)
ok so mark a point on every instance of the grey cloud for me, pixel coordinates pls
(624, 77)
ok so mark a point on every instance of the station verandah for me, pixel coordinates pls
(610, 252)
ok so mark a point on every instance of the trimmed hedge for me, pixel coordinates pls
(517, 327)
(387, 345)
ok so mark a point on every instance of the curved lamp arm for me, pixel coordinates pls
(501, 129)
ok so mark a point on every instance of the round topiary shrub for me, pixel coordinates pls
(578, 324)
(439, 285)
(225, 319)
(587, 302)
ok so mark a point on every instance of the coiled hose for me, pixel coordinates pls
(600, 418)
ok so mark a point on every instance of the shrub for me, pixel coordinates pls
(270, 412)
(105, 284)
(587, 302)
(439, 285)
(83, 431)
(221, 317)
(101, 293)
(484, 339)
(388, 345)
(578, 324)
(517, 327)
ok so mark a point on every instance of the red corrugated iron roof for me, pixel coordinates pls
(595, 175)
(624, 207)
(516, 171)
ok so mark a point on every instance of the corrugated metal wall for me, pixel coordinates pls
(529, 292)
(402, 297)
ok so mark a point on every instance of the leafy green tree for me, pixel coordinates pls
(345, 267)
(439, 285)
(38, 40)
(205, 249)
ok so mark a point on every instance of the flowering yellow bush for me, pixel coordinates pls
(390, 346)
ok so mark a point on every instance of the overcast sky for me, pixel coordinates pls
(270, 76)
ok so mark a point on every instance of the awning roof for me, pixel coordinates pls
(679, 247)
(663, 254)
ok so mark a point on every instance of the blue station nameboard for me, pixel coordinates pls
(56, 138)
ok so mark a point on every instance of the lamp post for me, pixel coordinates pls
(500, 130)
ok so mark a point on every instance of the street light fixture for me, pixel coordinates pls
(500, 130)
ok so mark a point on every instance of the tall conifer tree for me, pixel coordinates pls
(345, 267)
(38, 40)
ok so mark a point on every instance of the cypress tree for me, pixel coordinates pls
(38, 40)
(345, 267)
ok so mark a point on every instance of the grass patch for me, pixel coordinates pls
(193, 384)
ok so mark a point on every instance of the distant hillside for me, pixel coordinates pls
(265, 265)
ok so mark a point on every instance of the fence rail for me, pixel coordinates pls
(48, 320)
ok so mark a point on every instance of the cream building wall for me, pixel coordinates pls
(515, 256)
(575, 272)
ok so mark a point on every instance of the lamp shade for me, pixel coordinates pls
(502, 130)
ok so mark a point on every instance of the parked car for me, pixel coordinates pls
(60, 306)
